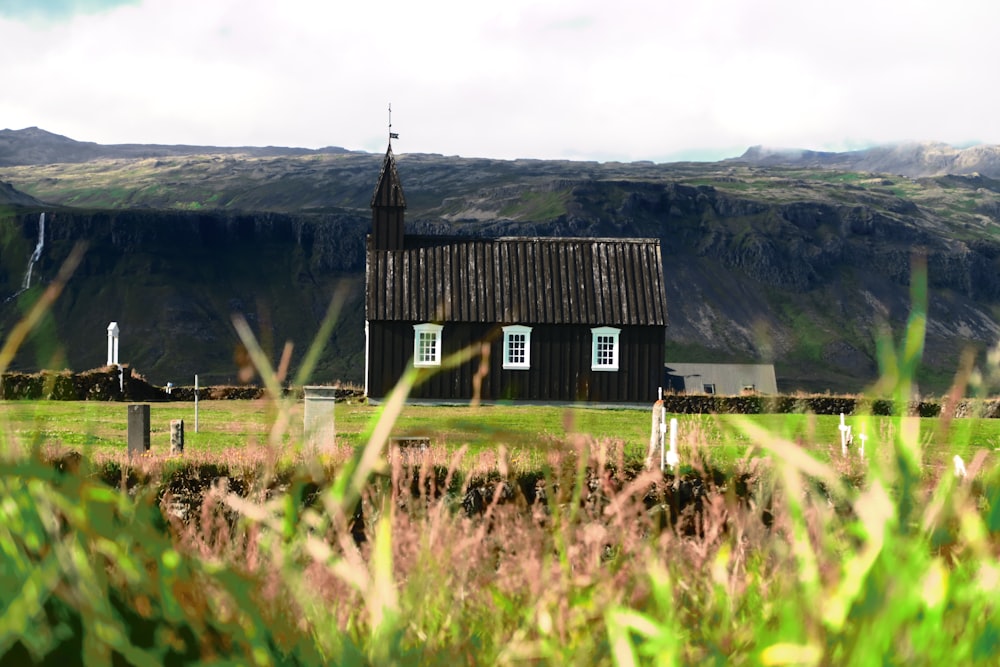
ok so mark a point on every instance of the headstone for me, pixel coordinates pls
(138, 429)
(319, 428)
(176, 436)
(408, 446)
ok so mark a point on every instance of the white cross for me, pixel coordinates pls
(845, 434)
(861, 452)
(959, 467)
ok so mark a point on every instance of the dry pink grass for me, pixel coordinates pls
(532, 557)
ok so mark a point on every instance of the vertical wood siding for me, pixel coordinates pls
(560, 364)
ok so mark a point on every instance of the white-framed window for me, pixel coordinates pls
(427, 344)
(517, 347)
(604, 349)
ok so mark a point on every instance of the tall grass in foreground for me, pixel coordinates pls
(789, 560)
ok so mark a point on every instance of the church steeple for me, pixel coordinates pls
(388, 203)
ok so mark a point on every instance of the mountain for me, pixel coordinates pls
(914, 159)
(805, 266)
(34, 146)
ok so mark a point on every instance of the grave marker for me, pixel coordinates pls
(960, 471)
(138, 429)
(176, 436)
(845, 432)
(113, 332)
(673, 459)
(656, 433)
(319, 427)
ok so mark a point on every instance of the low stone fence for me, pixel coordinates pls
(105, 384)
(820, 405)
(113, 384)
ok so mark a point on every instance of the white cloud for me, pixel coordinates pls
(582, 79)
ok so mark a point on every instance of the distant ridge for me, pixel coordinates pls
(914, 160)
(10, 196)
(34, 146)
(802, 266)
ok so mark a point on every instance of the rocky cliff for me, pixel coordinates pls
(174, 281)
(804, 267)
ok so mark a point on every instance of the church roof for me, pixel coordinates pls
(388, 190)
(530, 280)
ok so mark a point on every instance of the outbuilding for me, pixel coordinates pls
(722, 379)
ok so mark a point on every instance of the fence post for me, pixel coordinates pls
(195, 402)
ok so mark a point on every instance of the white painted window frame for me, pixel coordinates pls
(515, 330)
(427, 328)
(597, 333)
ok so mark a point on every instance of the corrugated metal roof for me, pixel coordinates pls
(519, 280)
(724, 379)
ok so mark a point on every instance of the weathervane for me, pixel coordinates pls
(392, 135)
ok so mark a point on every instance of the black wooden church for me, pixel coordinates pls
(547, 319)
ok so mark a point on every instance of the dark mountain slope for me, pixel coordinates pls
(173, 281)
(803, 267)
(9, 197)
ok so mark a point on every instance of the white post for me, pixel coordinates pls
(662, 428)
(655, 434)
(113, 344)
(861, 451)
(195, 402)
(672, 457)
(844, 429)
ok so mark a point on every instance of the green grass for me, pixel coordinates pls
(537, 206)
(529, 431)
(896, 570)
(817, 561)
(810, 338)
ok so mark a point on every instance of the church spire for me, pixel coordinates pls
(388, 202)
(388, 189)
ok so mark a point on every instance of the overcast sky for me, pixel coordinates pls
(659, 80)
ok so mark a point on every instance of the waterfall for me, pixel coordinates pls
(26, 283)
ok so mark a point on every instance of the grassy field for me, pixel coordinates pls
(97, 428)
(901, 565)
